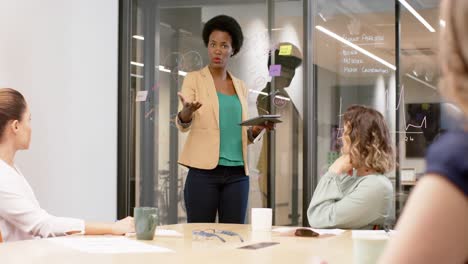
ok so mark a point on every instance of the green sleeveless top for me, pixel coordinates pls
(230, 115)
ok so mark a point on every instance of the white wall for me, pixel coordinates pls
(62, 55)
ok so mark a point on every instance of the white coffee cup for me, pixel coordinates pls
(368, 245)
(261, 236)
(261, 219)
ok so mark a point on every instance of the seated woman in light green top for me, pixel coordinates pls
(355, 193)
(230, 116)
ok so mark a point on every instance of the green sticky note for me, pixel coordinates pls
(285, 50)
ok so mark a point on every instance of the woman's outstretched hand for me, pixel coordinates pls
(189, 106)
(188, 109)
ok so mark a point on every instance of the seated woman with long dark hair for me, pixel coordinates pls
(355, 193)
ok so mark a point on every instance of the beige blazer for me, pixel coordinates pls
(201, 149)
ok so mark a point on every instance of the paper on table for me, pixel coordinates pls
(168, 232)
(319, 231)
(335, 231)
(161, 232)
(371, 233)
(108, 245)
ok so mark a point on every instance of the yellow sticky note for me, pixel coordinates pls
(285, 50)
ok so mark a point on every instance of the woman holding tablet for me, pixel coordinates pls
(212, 105)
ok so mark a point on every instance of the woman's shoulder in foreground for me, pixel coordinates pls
(450, 144)
(448, 157)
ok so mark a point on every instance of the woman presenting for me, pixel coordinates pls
(212, 104)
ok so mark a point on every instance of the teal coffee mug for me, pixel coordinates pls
(146, 220)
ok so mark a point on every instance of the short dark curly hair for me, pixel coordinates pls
(226, 24)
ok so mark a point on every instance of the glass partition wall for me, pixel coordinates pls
(164, 44)
(381, 54)
(342, 52)
(356, 63)
(423, 113)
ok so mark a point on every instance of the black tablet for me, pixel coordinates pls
(260, 120)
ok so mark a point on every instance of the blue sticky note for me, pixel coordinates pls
(275, 70)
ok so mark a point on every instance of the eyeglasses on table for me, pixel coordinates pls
(215, 233)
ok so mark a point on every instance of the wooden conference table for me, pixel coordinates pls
(290, 250)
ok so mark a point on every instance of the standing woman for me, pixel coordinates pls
(213, 103)
(21, 216)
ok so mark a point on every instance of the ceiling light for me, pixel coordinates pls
(138, 37)
(417, 15)
(257, 92)
(356, 47)
(322, 17)
(421, 81)
(282, 98)
(161, 68)
(137, 76)
(164, 69)
(137, 64)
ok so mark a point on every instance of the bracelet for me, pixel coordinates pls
(181, 123)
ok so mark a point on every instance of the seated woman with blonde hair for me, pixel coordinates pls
(21, 216)
(355, 193)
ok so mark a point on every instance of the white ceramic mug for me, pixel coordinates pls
(261, 219)
(368, 246)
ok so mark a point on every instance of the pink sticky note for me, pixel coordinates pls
(275, 70)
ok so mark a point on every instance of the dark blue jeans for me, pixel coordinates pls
(223, 190)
